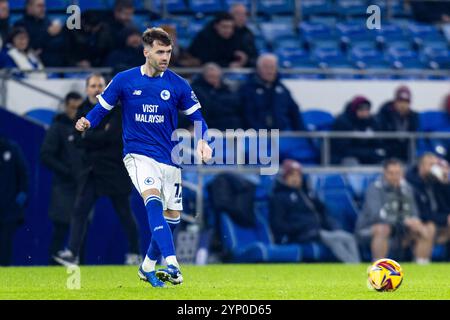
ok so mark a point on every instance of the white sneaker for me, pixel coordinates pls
(132, 259)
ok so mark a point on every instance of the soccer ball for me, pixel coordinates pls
(385, 275)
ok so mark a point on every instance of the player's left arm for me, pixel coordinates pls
(189, 106)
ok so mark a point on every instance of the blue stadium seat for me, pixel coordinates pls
(277, 30)
(318, 120)
(300, 149)
(434, 121)
(256, 244)
(354, 31)
(271, 7)
(173, 6)
(316, 31)
(329, 57)
(205, 6)
(93, 4)
(351, 7)
(340, 205)
(368, 57)
(293, 57)
(41, 115)
(331, 182)
(359, 182)
(57, 4)
(17, 4)
(391, 32)
(405, 58)
(317, 7)
(424, 32)
(438, 58)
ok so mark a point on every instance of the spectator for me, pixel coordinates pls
(297, 218)
(218, 43)
(244, 35)
(219, 104)
(266, 102)
(443, 189)
(90, 45)
(4, 22)
(19, 55)
(46, 37)
(121, 18)
(357, 118)
(102, 174)
(180, 56)
(397, 116)
(390, 218)
(127, 56)
(60, 154)
(14, 194)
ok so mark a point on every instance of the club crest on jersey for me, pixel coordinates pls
(165, 95)
(193, 96)
(149, 181)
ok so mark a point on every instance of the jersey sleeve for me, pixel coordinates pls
(188, 102)
(111, 94)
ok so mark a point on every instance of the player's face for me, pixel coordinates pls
(394, 175)
(95, 87)
(158, 56)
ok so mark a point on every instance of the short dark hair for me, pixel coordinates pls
(156, 34)
(73, 95)
(223, 16)
(392, 162)
(93, 75)
(15, 31)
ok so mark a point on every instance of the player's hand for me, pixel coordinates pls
(82, 124)
(204, 152)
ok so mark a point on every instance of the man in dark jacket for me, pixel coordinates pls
(46, 37)
(121, 18)
(297, 218)
(244, 35)
(60, 154)
(220, 105)
(357, 118)
(14, 193)
(267, 103)
(102, 174)
(218, 43)
(129, 54)
(397, 116)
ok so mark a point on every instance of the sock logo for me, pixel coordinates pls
(158, 228)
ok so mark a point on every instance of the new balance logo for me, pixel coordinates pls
(158, 228)
(137, 92)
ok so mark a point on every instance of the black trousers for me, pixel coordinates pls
(83, 205)
(7, 231)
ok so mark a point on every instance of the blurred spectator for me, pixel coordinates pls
(218, 43)
(180, 56)
(297, 218)
(60, 154)
(430, 11)
(102, 174)
(14, 194)
(46, 37)
(17, 54)
(90, 45)
(390, 219)
(357, 118)
(244, 35)
(4, 22)
(443, 188)
(266, 102)
(220, 106)
(130, 54)
(397, 116)
(121, 18)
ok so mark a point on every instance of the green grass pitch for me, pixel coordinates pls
(226, 281)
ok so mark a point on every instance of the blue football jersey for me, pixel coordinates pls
(150, 108)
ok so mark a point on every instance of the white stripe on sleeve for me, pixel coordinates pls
(103, 103)
(192, 109)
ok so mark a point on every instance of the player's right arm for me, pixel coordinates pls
(106, 102)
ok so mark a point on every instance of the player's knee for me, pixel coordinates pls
(150, 192)
(173, 214)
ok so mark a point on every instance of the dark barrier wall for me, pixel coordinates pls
(106, 242)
